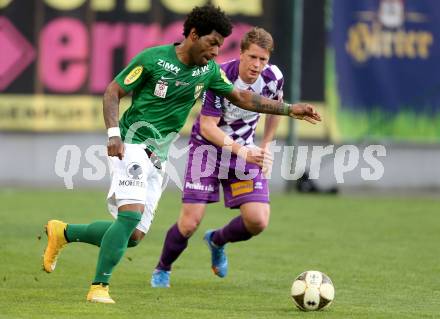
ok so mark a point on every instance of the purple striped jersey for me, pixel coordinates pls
(238, 123)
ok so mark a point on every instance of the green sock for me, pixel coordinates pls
(114, 244)
(87, 233)
(91, 233)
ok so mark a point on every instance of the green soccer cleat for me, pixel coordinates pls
(55, 242)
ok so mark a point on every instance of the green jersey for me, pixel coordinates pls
(164, 91)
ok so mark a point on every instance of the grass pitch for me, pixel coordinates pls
(381, 253)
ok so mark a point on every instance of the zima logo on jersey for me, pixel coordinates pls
(168, 66)
(224, 77)
(198, 90)
(133, 75)
(201, 71)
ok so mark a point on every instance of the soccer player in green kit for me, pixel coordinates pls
(166, 82)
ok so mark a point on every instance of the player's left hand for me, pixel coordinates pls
(304, 111)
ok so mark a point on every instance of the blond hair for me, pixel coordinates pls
(257, 36)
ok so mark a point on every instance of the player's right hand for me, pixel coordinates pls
(259, 156)
(115, 147)
(306, 112)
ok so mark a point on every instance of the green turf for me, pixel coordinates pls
(382, 254)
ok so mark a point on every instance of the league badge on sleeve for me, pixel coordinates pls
(133, 75)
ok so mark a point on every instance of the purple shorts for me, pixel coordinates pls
(207, 167)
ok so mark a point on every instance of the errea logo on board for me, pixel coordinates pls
(168, 66)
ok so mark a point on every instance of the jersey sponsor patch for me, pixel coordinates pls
(133, 75)
(181, 83)
(198, 89)
(200, 71)
(200, 187)
(168, 66)
(242, 187)
(161, 89)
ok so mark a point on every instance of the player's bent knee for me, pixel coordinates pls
(257, 229)
(135, 207)
(188, 227)
(135, 238)
(256, 226)
(190, 218)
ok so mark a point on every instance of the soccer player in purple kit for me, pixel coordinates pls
(221, 124)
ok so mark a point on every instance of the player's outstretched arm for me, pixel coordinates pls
(211, 132)
(253, 102)
(112, 96)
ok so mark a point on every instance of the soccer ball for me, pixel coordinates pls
(312, 290)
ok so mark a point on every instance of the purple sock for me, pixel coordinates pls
(175, 243)
(232, 232)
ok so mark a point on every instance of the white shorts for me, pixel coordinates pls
(134, 180)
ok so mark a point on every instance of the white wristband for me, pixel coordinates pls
(113, 131)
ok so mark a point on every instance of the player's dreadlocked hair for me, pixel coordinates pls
(206, 19)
